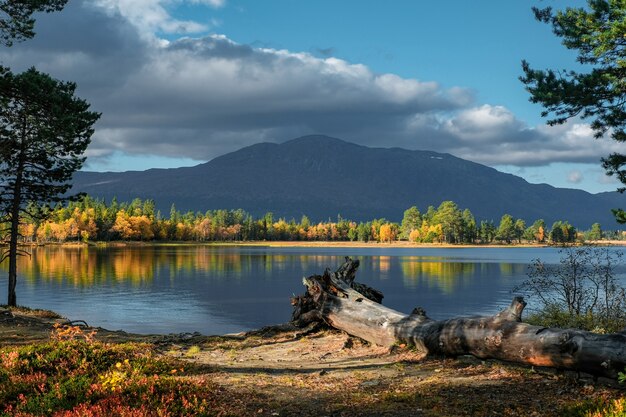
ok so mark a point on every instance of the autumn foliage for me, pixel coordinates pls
(94, 220)
(75, 375)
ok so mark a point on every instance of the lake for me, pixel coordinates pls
(223, 289)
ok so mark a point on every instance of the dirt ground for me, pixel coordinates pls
(287, 372)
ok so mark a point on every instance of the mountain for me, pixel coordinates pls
(323, 177)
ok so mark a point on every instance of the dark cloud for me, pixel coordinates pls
(82, 44)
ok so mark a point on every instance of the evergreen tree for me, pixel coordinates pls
(596, 232)
(506, 229)
(412, 220)
(449, 217)
(364, 231)
(597, 35)
(16, 17)
(520, 227)
(487, 231)
(469, 227)
(44, 130)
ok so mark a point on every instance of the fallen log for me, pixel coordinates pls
(335, 298)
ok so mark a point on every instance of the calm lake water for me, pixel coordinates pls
(223, 289)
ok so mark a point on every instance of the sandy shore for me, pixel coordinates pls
(330, 244)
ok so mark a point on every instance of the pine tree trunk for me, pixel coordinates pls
(12, 298)
(333, 298)
(15, 223)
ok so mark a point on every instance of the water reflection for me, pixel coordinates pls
(446, 276)
(84, 266)
(226, 289)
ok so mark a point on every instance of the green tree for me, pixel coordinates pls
(353, 234)
(135, 208)
(148, 209)
(305, 223)
(506, 229)
(596, 232)
(562, 232)
(469, 226)
(268, 225)
(487, 231)
(109, 215)
(364, 231)
(430, 213)
(16, 17)
(44, 130)
(412, 220)
(450, 218)
(597, 34)
(556, 233)
(174, 214)
(520, 227)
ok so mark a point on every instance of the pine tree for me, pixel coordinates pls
(44, 131)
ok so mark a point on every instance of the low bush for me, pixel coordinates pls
(554, 315)
(83, 377)
(582, 291)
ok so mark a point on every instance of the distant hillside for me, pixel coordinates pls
(322, 177)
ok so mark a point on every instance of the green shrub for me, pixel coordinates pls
(554, 315)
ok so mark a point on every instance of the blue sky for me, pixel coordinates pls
(180, 82)
(457, 43)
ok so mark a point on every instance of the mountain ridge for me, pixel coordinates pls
(322, 177)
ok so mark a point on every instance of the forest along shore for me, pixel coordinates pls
(322, 244)
(315, 244)
(326, 372)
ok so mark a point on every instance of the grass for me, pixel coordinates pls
(597, 408)
(192, 351)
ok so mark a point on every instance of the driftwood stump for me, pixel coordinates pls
(336, 299)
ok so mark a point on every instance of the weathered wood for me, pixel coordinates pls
(332, 297)
(305, 308)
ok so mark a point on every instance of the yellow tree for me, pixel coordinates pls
(141, 227)
(122, 225)
(85, 220)
(541, 234)
(387, 233)
(184, 232)
(203, 229)
(59, 232)
(414, 236)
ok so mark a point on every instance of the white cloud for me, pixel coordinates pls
(494, 136)
(151, 16)
(213, 3)
(575, 177)
(484, 124)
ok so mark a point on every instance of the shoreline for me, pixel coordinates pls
(257, 373)
(323, 244)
